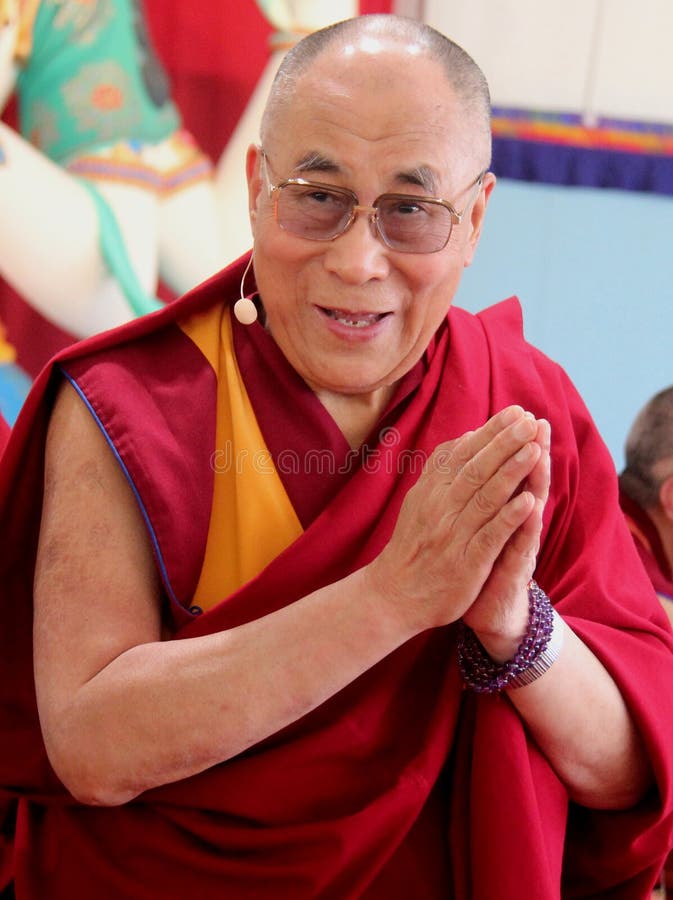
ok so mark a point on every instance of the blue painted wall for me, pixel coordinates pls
(594, 272)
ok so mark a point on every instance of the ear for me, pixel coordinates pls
(477, 216)
(253, 160)
(666, 497)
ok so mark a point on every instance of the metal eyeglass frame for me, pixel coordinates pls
(456, 215)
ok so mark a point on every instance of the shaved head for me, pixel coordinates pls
(366, 33)
(649, 450)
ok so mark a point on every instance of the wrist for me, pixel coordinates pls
(387, 604)
(535, 654)
(544, 660)
(502, 638)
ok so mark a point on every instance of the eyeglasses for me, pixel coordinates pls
(404, 222)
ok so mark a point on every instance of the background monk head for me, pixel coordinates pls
(648, 475)
(369, 109)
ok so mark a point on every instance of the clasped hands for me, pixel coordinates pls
(468, 532)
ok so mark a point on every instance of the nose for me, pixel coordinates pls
(358, 255)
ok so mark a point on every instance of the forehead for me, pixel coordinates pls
(387, 108)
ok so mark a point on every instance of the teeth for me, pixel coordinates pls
(354, 321)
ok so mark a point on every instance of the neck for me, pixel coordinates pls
(356, 414)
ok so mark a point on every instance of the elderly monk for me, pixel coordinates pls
(333, 596)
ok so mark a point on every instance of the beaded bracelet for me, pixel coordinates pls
(536, 653)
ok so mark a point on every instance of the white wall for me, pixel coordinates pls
(598, 57)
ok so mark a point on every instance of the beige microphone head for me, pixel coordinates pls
(245, 311)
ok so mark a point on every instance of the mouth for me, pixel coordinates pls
(354, 319)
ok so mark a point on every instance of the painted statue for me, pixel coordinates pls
(103, 192)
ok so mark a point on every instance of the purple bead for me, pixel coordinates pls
(481, 673)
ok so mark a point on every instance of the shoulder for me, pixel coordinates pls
(507, 313)
(520, 371)
(75, 447)
(502, 326)
(148, 331)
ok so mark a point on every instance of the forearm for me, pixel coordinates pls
(162, 711)
(579, 719)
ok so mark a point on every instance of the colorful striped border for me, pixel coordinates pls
(569, 129)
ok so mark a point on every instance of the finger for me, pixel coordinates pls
(450, 457)
(510, 454)
(445, 465)
(487, 500)
(512, 570)
(489, 541)
(538, 481)
(520, 553)
(544, 434)
(479, 471)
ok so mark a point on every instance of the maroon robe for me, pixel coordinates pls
(402, 784)
(4, 433)
(649, 546)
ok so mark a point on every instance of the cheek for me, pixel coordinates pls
(432, 293)
(285, 266)
(279, 274)
(262, 221)
(272, 244)
(433, 280)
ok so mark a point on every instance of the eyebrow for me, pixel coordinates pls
(316, 162)
(419, 176)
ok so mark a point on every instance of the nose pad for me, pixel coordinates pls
(375, 226)
(357, 259)
(372, 218)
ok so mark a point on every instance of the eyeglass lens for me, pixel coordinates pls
(404, 222)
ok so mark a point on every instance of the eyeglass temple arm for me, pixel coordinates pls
(477, 187)
(264, 164)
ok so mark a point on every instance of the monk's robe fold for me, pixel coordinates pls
(4, 433)
(402, 784)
